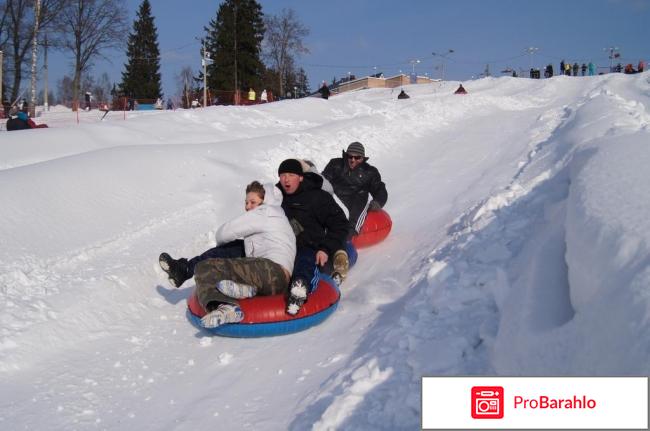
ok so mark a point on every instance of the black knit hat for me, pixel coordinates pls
(356, 148)
(290, 166)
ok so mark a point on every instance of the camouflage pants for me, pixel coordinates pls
(266, 275)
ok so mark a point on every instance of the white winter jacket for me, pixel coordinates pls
(265, 230)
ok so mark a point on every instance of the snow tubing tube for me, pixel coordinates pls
(265, 316)
(375, 229)
(352, 253)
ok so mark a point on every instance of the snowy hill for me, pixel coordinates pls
(520, 246)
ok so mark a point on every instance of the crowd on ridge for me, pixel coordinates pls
(584, 69)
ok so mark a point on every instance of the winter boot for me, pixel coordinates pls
(224, 313)
(341, 266)
(177, 270)
(236, 290)
(297, 296)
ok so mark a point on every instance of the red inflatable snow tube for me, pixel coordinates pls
(375, 229)
(265, 315)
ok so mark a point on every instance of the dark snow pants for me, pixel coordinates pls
(228, 250)
(305, 268)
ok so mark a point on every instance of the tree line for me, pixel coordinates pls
(84, 29)
(243, 48)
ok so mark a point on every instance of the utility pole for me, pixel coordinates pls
(187, 93)
(236, 83)
(37, 16)
(413, 63)
(205, 60)
(413, 79)
(205, 77)
(1, 65)
(46, 105)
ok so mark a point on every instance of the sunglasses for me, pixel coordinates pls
(355, 157)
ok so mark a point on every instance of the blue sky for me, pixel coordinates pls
(358, 35)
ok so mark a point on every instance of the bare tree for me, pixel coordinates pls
(184, 81)
(3, 47)
(283, 41)
(50, 97)
(4, 13)
(17, 31)
(88, 27)
(64, 90)
(102, 88)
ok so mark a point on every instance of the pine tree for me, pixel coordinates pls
(233, 41)
(141, 78)
(302, 82)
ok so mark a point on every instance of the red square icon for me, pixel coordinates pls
(487, 402)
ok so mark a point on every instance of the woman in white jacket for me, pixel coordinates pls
(260, 264)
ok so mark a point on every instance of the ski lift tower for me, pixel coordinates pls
(613, 53)
(444, 56)
(531, 50)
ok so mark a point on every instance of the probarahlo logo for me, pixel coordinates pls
(487, 402)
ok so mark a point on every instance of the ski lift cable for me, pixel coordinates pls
(501, 60)
(557, 58)
(408, 62)
(352, 66)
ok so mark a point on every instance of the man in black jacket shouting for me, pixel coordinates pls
(353, 179)
(318, 222)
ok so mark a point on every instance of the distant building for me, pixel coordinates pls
(379, 82)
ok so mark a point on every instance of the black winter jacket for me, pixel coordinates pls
(324, 92)
(17, 124)
(353, 186)
(318, 221)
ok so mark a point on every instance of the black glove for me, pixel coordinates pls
(374, 206)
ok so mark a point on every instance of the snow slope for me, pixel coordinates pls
(520, 246)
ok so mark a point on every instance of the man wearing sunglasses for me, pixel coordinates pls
(354, 179)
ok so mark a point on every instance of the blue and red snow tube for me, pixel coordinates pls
(265, 316)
